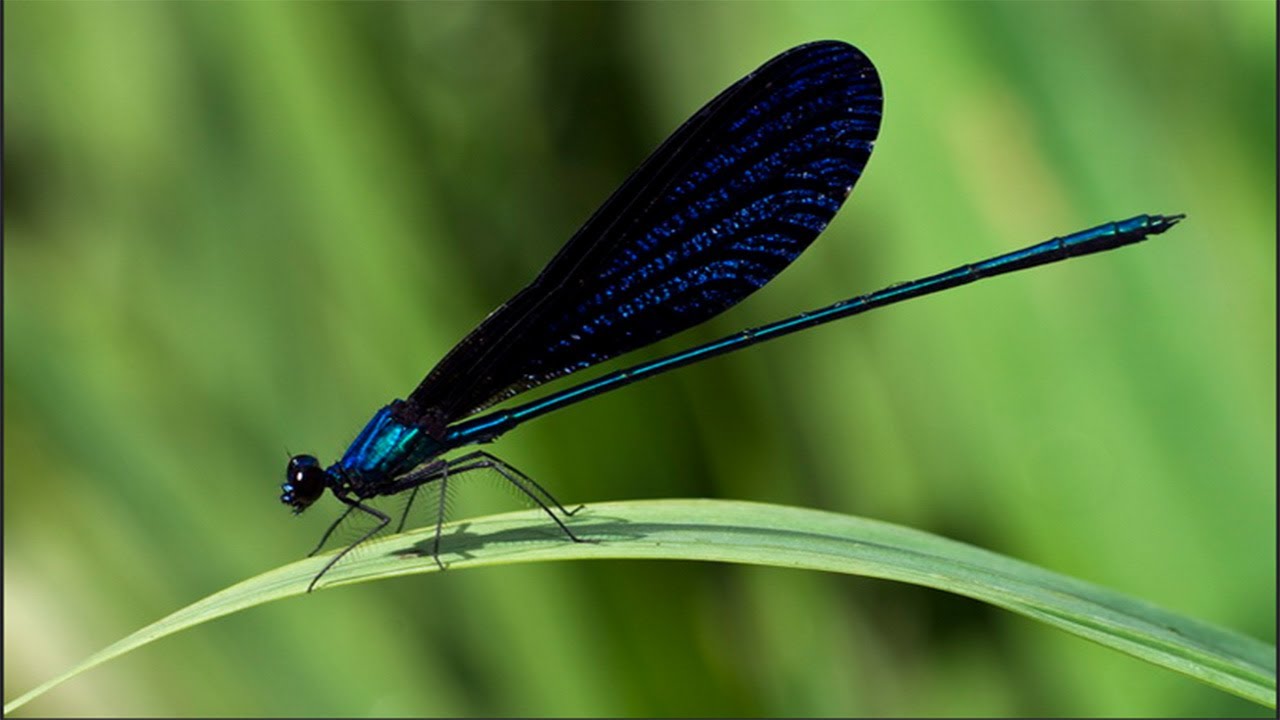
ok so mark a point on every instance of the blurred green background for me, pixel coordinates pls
(236, 230)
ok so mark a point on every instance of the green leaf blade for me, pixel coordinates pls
(771, 535)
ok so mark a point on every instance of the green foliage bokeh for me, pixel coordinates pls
(233, 231)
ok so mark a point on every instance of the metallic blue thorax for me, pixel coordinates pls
(384, 450)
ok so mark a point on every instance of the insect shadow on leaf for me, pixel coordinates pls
(433, 504)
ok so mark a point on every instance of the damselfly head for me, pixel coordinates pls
(304, 483)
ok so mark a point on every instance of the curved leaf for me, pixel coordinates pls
(774, 535)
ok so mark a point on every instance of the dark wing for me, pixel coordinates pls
(719, 209)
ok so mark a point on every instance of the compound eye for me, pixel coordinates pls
(304, 482)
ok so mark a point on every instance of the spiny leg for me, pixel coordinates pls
(407, 506)
(383, 520)
(418, 478)
(503, 467)
(325, 538)
(482, 460)
(479, 460)
(444, 489)
(414, 480)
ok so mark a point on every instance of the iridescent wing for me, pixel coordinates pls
(719, 209)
